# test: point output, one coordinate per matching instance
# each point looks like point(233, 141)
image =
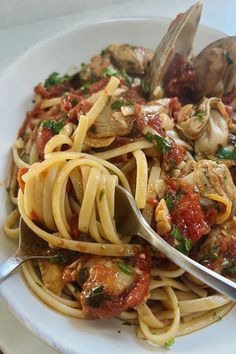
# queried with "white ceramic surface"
point(59, 54)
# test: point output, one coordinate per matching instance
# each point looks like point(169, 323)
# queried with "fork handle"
point(211, 278)
point(9, 265)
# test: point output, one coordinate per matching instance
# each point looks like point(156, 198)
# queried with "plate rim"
point(13, 308)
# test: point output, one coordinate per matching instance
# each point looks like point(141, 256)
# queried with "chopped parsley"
point(125, 268)
point(54, 125)
point(170, 342)
point(117, 104)
point(169, 201)
point(185, 246)
point(109, 71)
point(127, 78)
point(97, 296)
point(74, 102)
point(145, 86)
point(101, 194)
point(200, 116)
point(85, 86)
point(225, 154)
point(55, 79)
point(176, 233)
point(161, 143)
point(231, 270)
point(82, 275)
point(216, 317)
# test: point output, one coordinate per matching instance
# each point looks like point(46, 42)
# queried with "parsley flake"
point(176, 233)
point(109, 71)
point(125, 268)
point(161, 143)
point(101, 194)
point(54, 125)
point(170, 342)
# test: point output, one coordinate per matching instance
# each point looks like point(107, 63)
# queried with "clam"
point(178, 40)
point(216, 71)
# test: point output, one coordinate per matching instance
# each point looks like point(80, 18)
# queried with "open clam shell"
point(178, 39)
point(217, 63)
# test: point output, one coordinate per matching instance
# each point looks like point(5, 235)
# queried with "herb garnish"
point(109, 71)
point(74, 102)
point(170, 342)
point(97, 296)
point(82, 275)
point(216, 317)
point(101, 194)
point(185, 246)
point(125, 268)
point(231, 270)
point(176, 233)
point(200, 116)
point(55, 79)
point(225, 154)
point(85, 86)
point(117, 104)
point(161, 143)
point(145, 86)
point(54, 125)
point(169, 201)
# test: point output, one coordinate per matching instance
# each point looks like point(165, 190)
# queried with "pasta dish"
point(170, 141)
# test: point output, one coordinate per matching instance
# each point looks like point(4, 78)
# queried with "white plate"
point(65, 334)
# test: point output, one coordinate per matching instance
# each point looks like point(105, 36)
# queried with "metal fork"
point(129, 221)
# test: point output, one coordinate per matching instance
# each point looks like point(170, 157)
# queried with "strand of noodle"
point(111, 183)
point(74, 292)
point(104, 213)
point(141, 178)
point(76, 180)
point(195, 288)
point(167, 282)
point(47, 197)
point(204, 320)
point(151, 193)
point(102, 100)
point(9, 224)
point(48, 299)
point(124, 149)
point(203, 304)
point(148, 317)
point(36, 279)
point(61, 156)
point(104, 249)
point(18, 161)
point(93, 227)
point(167, 273)
point(80, 133)
point(12, 182)
point(197, 323)
point(29, 196)
point(37, 193)
point(47, 103)
point(75, 207)
point(88, 199)
point(34, 155)
point(161, 339)
point(85, 171)
point(56, 142)
point(127, 316)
